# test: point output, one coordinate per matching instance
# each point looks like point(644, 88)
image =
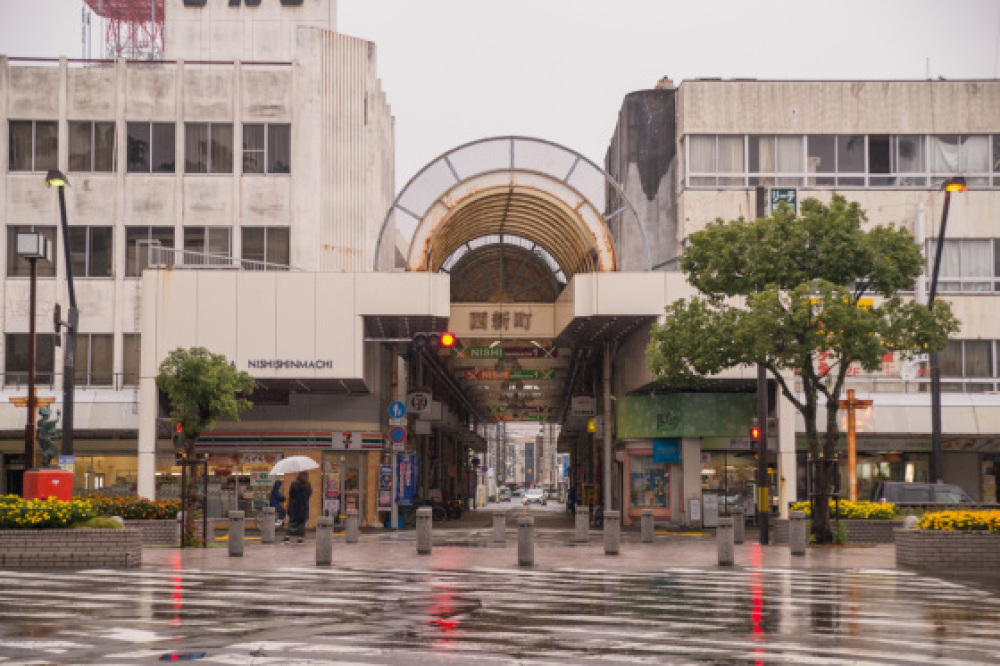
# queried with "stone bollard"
point(582, 524)
point(797, 532)
point(424, 530)
point(324, 541)
point(739, 525)
point(647, 526)
point(526, 541)
point(724, 539)
point(237, 530)
point(267, 525)
point(499, 527)
point(612, 532)
point(351, 527)
point(910, 523)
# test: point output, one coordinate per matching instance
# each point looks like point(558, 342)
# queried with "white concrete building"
point(264, 135)
point(709, 148)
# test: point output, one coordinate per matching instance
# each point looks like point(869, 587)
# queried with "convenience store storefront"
point(651, 432)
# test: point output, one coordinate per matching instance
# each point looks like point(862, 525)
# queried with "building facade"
point(707, 149)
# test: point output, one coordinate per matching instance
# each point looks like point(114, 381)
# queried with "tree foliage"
point(806, 297)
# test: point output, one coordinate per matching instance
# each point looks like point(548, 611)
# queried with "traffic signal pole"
point(763, 499)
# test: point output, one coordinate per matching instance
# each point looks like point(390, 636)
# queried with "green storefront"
point(651, 428)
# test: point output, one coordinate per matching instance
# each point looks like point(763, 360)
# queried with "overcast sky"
point(459, 70)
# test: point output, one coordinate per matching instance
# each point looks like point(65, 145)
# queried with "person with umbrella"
point(277, 500)
point(298, 506)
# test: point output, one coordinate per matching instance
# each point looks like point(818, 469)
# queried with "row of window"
point(94, 359)
point(968, 265)
point(150, 147)
point(842, 160)
point(969, 365)
point(92, 248)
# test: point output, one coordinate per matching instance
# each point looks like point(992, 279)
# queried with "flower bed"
point(853, 510)
point(135, 508)
point(865, 522)
point(956, 520)
point(17, 513)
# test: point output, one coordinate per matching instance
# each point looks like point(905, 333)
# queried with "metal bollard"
point(351, 527)
point(647, 526)
point(237, 530)
point(324, 541)
point(267, 525)
point(499, 527)
point(526, 541)
point(797, 532)
point(582, 524)
point(612, 532)
point(424, 530)
point(739, 525)
point(724, 539)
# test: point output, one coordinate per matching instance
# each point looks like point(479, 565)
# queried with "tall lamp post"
point(31, 246)
point(58, 180)
point(956, 184)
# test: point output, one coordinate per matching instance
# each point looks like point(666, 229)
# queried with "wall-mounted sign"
point(583, 405)
point(499, 351)
point(287, 364)
point(357, 441)
point(499, 375)
point(787, 194)
point(418, 402)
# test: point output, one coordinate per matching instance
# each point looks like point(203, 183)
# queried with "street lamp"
point(58, 180)
point(31, 246)
point(956, 184)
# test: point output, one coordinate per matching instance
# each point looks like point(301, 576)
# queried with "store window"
point(208, 148)
point(90, 250)
point(91, 146)
point(95, 355)
point(18, 267)
point(732, 475)
point(649, 483)
point(150, 148)
point(33, 145)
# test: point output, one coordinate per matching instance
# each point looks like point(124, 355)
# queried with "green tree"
point(787, 292)
point(202, 388)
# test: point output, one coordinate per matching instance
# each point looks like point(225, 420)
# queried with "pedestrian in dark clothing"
point(298, 506)
point(277, 500)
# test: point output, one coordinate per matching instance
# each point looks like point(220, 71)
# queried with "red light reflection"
point(178, 591)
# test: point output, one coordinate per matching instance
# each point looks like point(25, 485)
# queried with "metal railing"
point(163, 257)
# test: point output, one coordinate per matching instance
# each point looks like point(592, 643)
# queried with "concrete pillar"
point(424, 530)
point(526, 541)
point(499, 527)
point(647, 526)
point(724, 540)
point(324, 541)
point(351, 527)
point(797, 532)
point(612, 532)
point(267, 525)
point(582, 524)
point(739, 525)
point(236, 533)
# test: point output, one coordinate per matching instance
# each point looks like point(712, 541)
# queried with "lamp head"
point(56, 178)
point(956, 184)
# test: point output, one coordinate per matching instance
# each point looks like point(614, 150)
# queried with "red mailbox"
point(48, 484)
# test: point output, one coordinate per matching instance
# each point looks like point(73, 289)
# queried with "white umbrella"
point(292, 465)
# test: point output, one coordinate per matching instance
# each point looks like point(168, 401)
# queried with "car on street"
point(503, 495)
point(899, 492)
point(534, 495)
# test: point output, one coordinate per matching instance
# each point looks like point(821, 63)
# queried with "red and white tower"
point(133, 29)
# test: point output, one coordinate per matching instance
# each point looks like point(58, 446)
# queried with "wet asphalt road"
point(450, 609)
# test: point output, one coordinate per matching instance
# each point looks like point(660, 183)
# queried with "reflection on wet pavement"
point(400, 615)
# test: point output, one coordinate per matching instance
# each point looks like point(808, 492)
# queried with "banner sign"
point(500, 351)
point(385, 488)
point(407, 468)
point(501, 375)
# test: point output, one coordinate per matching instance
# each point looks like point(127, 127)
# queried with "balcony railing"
point(161, 256)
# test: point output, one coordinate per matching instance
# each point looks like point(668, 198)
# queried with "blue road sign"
point(397, 434)
point(397, 410)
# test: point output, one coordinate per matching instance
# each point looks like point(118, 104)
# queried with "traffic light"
point(433, 341)
point(178, 436)
point(754, 434)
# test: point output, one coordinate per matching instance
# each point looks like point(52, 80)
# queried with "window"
point(965, 364)
point(266, 149)
point(268, 244)
point(16, 358)
point(952, 154)
point(996, 160)
point(94, 359)
point(208, 240)
point(18, 267)
point(131, 348)
point(150, 148)
point(967, 265)
point(208, 148)
point(33, 145)
point(91, 146)
point(137, 242)
point(911, 161)
point(90, 251)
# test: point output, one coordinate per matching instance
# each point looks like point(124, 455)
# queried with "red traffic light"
point(447, 339)
point(179, 428)
point(755, 433)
